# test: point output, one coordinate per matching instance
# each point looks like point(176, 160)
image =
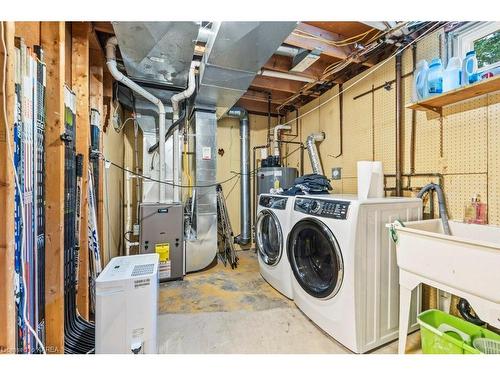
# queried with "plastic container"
point(469, 68)
point(435, 77)
point(452, 76)
point(476, 211)
point(442, 333)
point(487, 346)
point(420, 90)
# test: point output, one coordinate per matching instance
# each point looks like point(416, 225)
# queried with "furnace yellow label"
point(163, 250)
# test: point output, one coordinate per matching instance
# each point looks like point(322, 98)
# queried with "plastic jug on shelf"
point(469, 68)
point(452, 76)
point(420, 90)
point(435, 77)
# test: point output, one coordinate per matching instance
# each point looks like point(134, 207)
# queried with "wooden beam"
point(53, 36)
point(29, 31)
point(105, 27)
point(284, 64)
point(277, 84)
point(80, 32)
point(310, 43)
point(256, 107)
point(96, 102)
point(107, 83)
point(277, 97)
point(7, 188)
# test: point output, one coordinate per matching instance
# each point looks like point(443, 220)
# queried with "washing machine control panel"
point(276, 203)
point(322, 208)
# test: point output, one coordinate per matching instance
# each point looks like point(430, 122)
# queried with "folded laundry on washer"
point(309, 184)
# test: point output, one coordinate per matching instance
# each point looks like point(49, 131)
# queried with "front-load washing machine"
point(345, 275)
point(271, 231)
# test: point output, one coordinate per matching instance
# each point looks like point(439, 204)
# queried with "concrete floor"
point(220, 310)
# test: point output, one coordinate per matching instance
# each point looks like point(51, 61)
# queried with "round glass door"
point(269, 237)
point(315, 258)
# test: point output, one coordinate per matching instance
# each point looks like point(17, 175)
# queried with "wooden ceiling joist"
point(104, 27)
point(283, 64)
point(256, 94)
point(277, 84)
point(256, 107)
point(310, 43)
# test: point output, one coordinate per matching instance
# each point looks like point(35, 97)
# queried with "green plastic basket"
point(442, 333)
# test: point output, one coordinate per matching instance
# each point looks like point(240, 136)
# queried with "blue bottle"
point(469, 68)
point(435, 77)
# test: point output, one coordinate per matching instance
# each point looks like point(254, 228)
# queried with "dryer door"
point(269, 237)
point(315, 258)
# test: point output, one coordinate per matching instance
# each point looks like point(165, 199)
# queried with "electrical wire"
point(18, 187)
point(338, 66)
point(400, 50)
point(336, 43)
point(123, 124)
point(235, 175)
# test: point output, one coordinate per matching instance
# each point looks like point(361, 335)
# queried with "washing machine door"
point(315, 258)
point(269, 237)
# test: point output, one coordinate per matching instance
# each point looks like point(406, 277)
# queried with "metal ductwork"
point(157, 52)
point(245, 196)
point(234, 53)
point(201, 250)
point(313, 151)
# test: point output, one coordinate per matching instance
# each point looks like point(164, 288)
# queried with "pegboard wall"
point(463, 144)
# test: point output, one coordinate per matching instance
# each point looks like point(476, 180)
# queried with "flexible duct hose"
point(313, 151)
point(463, 305)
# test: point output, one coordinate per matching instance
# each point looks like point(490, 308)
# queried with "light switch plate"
point(336, 173)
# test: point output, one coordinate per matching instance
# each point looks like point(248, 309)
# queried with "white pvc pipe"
point(111, 63)
point(177, 98)
point(128, 221)
point(277, 128)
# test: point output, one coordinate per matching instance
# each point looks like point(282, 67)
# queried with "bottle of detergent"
point(469, 68)
point(452, 75)
point(435, 77)
point(420, 90)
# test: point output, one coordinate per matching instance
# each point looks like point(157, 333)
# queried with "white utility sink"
point(466, 264)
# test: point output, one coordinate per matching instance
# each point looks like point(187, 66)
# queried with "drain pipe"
point(177, 98)
point(120, 77)
point(313, 151)
point(276, 142)
point(399, 125)
point(245, 196)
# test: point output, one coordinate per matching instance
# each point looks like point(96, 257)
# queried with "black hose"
point(465, 310)
point(169, 131)
point(441, 202)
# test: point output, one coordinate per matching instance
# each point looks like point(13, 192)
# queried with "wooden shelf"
point(436, 103)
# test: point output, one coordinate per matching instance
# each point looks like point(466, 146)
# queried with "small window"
point(482, 37)
point(488, 49)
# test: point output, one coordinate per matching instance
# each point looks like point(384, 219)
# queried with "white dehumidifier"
point(126, 305)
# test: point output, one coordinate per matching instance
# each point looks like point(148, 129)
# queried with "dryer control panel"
point(274, 202)
point(322, 208)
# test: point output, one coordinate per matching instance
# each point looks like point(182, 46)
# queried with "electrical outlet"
point(336, 173)
point(136, 229)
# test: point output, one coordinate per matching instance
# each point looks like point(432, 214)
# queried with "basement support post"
point(53, 36)
point(399, 124)
point(80, 32)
